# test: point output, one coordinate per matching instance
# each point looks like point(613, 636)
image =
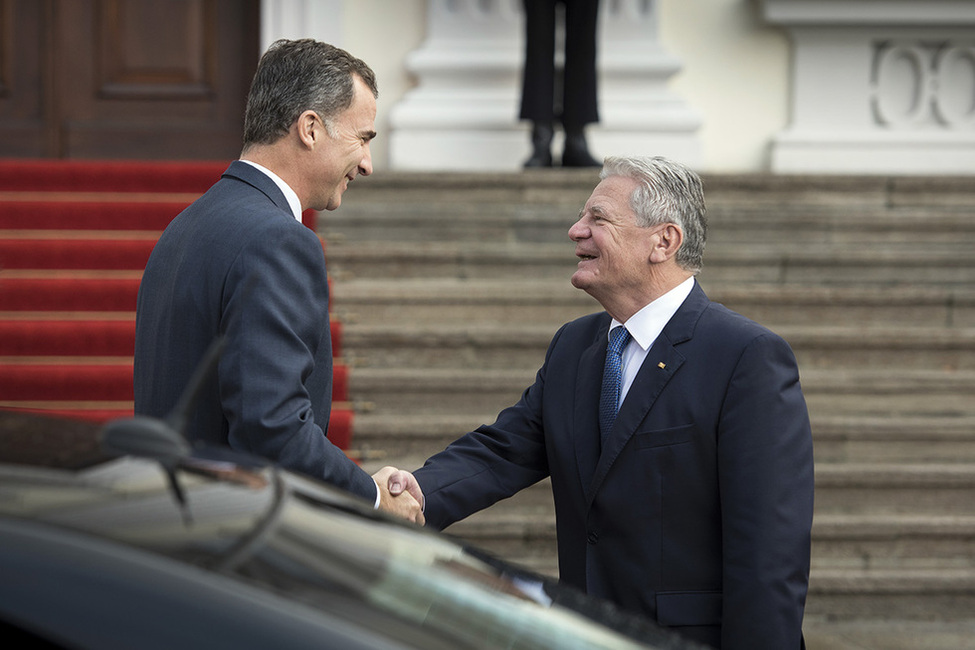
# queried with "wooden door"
point(125, 78)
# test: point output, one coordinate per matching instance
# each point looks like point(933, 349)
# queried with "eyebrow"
point(597, 210)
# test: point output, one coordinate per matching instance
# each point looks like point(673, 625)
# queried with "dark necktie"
point(609, 398)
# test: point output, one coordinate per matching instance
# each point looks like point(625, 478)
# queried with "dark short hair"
point(295, 76)
point(668, 192)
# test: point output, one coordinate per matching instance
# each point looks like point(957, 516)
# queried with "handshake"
point(399, 494)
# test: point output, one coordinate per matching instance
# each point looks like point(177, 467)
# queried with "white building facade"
point(788, 86)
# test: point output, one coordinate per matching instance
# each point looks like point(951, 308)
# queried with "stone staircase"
point(450, 287)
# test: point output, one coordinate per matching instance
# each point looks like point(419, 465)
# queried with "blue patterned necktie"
point(609, 398)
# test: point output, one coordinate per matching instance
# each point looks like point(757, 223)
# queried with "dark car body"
point(204, 548)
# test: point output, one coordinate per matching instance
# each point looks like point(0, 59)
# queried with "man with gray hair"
point(239, 264)
point(674, 431)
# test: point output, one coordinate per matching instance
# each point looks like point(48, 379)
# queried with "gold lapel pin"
point(661, 365)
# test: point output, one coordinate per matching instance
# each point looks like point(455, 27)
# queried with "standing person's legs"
point(579, 106)
point(579, 103)
point(538, 82)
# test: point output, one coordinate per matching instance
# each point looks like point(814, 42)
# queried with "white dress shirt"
point(289, 193)
point(644, 328)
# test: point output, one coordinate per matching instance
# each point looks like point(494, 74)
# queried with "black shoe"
point(576, 152)
point(541, 146)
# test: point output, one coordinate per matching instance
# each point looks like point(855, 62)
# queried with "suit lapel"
point(662, 363)
point(585, 420)
point(260, 181)
point(649, 383)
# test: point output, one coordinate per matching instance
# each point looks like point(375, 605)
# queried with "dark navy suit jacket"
point(237, 263)
point(698, 510)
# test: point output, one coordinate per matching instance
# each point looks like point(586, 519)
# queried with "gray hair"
point(295, 76)
point(668, 192)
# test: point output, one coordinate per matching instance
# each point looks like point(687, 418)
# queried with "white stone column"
point(463, 114)
point(321, 19)
point(879, 86)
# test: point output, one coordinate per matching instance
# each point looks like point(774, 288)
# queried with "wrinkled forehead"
point(612, 194)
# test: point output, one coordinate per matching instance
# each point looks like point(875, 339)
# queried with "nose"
point(365, 165)
point(578, 230)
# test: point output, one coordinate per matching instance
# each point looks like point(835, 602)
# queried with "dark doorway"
point(125, 78)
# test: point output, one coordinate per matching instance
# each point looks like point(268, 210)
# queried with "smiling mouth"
point(586, 257)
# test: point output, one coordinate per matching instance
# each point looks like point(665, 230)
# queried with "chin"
point(335, 200)
point(579, 282)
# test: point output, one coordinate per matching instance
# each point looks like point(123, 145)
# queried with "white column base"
point(858, 153)
point(507, 149)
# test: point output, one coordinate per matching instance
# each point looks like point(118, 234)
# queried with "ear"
point(310, 128)
point(665, 243)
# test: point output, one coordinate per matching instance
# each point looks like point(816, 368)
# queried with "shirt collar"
point(645, 325)
point(289, 193)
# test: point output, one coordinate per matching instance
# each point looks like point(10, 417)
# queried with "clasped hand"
point(400, 494)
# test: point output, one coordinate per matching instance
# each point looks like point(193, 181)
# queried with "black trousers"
point(577, 105)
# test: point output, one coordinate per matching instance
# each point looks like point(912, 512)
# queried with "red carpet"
point(78, 254)
point(100, 215)
point(164, 177)
point(74, 239)
point(68, 294)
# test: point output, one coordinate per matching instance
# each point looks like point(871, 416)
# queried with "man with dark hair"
point(674, 431)
point(238, 263)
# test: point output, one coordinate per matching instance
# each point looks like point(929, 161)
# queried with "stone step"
point(785, 226)
point(912, 567)
point(405, 345)
point(906, 594)
point(827, 391)
point(813, 264)
point(539, 206)
point(893, 348)
point(393, 437)
point(834, 224)
point(839, 595)
point(897, 440)
point(840, 193)
point(437, 300)
point(902, 394)
point(871, 489)
point(539, 301)
point(565, 187)
point(871, 543)
point(887, 633)
point(893, 541)
point(844, 193)
point(450, 296)
point(858, 489)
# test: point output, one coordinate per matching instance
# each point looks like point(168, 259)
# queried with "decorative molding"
point(878, 86)
point(869, 12)
point(918, 84)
